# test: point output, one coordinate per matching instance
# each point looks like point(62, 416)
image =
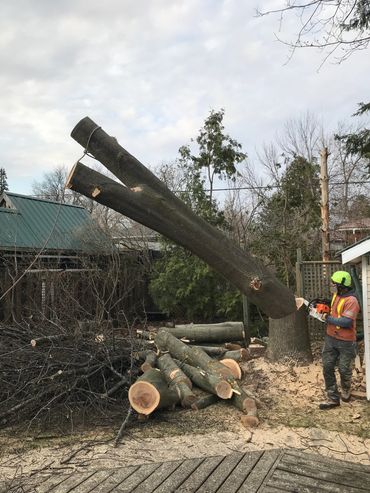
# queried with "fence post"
point(298, 274)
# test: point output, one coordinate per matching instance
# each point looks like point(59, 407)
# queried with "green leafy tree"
point(3, 181)
point(218, 154)
point(290, 219)
point(182, 283)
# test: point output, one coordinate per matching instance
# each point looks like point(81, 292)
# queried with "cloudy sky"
point(149, 72)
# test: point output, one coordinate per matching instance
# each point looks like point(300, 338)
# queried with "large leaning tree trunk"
point(148, 201)
point(289, 338)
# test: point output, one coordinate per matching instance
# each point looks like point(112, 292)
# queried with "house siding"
point(366, 299)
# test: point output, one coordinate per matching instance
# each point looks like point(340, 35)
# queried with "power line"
point(269, 187)
point(230, 189)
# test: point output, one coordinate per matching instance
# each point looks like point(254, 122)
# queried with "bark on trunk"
point(150, 361)
point(177, 380)
point(151, 392)
point(179, 222)
point(289, 338)
point(211, 333)
point(237, 355)
point(212, 350)
point(205, 401)
point(205, 381)
point(218, 375)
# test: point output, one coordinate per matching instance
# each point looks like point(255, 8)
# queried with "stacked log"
point(180, 366)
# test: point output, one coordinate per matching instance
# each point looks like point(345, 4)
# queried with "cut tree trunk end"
point(249, 421)
point(233, 366)
point(151, 392)
point(208, 382)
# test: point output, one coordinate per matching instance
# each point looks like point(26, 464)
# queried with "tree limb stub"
point(202, 239)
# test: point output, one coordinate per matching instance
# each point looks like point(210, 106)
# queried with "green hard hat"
point(342, 277)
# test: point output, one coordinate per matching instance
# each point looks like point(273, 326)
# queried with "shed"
point(29, 224)
point(355, 254)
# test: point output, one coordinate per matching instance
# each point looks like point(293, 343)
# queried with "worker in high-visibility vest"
point(340, 347)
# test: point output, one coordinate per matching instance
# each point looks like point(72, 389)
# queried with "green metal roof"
point(31, 223)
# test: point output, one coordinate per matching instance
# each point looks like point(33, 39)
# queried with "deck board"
point(111, 482)
point(242, 470)
point(200, 475)
point(221, 474)
point(93, 482)
point(138, 477)
point(177, 478)
point(160, 475)
point(329, 473)
point(318, 459)
point(272, 471)
point(258, 474)
point(296, 482)
point(54, 480)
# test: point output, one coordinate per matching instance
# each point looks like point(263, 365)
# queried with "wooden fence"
point(111, 287)
point(313, 281)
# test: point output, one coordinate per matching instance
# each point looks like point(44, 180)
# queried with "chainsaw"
point(318, 308)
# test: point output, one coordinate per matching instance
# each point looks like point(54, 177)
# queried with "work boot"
point(345, 395)
point(328, 404)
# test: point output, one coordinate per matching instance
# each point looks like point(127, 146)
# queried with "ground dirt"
point(289, 417)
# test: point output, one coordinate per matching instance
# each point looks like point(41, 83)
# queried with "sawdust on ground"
point(289, 416)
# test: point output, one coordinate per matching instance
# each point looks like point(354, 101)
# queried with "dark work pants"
point(341, 353)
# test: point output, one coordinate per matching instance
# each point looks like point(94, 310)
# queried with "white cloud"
point(148, 73)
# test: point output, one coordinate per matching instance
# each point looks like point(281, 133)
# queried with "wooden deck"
point(273, 471)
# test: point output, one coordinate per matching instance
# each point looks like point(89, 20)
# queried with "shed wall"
point(366, 299)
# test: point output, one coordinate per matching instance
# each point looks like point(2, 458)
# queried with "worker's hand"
point(319, 316)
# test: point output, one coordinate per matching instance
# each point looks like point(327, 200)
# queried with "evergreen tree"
point(182, 283)
point(290, 219)
point(3, 181)
point(359, 143)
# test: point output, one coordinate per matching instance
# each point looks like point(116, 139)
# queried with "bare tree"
point(327, 24)
point(51, 187)
point(302, 136)
point(346, 177)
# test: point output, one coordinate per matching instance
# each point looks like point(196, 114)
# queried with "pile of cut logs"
point(189, 358)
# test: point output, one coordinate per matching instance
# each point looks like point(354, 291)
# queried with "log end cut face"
point(233, 367)
point(224, 390)
point(144, 397)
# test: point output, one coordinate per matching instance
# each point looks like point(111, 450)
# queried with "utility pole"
point(324, 185)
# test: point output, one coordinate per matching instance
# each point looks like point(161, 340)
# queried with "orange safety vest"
point(336, 331)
